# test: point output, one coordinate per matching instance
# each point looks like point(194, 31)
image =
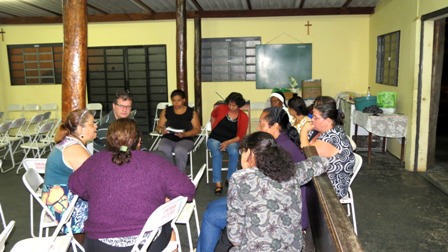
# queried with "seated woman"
point(181, 117)
point(68, 155)
point(331, 142)
point(229, 126)
point(278, 100)
point(124, 186)
point(298, 110)
point(264, 203)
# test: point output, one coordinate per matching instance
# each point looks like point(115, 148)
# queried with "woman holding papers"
point(179, 124)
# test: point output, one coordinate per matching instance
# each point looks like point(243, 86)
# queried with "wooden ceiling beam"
point(142, 5)
point(201, 14)
point(198, 6)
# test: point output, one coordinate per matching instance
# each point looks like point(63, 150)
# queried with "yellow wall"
point(340, 51)
point(405, 16)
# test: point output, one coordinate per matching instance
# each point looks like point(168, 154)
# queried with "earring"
point(82, 136)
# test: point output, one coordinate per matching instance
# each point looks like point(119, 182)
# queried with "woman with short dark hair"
point(229, 126)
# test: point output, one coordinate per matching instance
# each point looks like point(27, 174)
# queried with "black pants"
point(160, 243)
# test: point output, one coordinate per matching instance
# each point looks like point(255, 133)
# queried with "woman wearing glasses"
point(67, 156)
point(179, 124)
point(331, 142)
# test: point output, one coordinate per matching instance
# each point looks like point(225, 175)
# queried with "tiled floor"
point(396, 210)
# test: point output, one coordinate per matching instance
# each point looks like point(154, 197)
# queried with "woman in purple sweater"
point(123, 186)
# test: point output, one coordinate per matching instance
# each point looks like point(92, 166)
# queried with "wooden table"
point(384, 125)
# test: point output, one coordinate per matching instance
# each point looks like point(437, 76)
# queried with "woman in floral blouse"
point(264, 202)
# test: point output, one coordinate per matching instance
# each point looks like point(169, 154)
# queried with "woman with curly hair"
point(123, 186)
point(264, 200)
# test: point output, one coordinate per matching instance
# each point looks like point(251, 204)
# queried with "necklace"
point(232, 119)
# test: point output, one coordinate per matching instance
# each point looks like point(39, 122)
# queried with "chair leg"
point(12, 159)
point(190, 242)
point(196, 219)
point(355, 227)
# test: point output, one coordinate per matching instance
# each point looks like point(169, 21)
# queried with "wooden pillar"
point(181, 46)
point(74, 66)
point(197, 67)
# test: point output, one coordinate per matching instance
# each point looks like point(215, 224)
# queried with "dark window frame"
point(35, 64)
point(229, 59)
point(387, 58)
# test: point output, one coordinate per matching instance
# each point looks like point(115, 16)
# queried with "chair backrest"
point(356, 167)
point(165, 213)
point(49, 107)
point(352, 143)
point(33, 181)
point(66, 216)
point(132, 114)
point(4, 235)
point(33, 125)
point(4, 127)
point(199, 175)
point(160, 106)
point(16, 126)
point(37, 164)
point(2, 217)
point(97, 107)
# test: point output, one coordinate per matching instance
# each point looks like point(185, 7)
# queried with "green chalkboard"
point(275, 63)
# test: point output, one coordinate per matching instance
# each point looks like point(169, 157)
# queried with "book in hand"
point(173, 130)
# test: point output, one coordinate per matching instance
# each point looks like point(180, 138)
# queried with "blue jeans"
point(232, 149)
point(213, 222)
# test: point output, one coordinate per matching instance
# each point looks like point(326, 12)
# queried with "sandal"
point(218, 190)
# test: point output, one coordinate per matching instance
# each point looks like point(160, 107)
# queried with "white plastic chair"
point(37, 164)
point(348, 199)
point(52, 108)
point(165, 213)
point(95, 108)
point(5, 234)
point(208, 154)
point(187, 212)
point(32, 126)
point(352, 143)
point(15, 128)
point(14, 111)
point(160, 106)
point(33, 182)
point(36, 144)
point(55, 242)
point(31, 110)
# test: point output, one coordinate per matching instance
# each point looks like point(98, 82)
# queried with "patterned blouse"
point(341, 164)
point(265, 215)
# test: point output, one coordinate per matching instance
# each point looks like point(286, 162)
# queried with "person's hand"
point(180, 134)
point(307, 127)
point(223, 145)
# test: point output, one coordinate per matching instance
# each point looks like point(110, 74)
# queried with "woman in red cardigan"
point(229, 126)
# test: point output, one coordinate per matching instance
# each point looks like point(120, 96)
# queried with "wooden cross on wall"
point(2, 32)
point(308, 27)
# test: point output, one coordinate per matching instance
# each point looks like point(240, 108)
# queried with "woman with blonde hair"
point(67, 156)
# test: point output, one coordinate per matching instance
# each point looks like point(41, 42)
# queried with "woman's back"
point(270, 211)
point(121, 198)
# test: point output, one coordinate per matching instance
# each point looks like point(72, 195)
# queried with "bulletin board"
point(275, 63)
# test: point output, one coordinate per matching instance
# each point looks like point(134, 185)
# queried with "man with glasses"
point(121, 108)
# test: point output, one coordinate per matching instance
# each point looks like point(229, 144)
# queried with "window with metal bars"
point(35, 64)
point(387, 57)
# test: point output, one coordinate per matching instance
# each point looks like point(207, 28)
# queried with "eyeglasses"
point(316, 118)
point(123, 106)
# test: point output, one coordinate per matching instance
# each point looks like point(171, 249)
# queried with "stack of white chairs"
point(32, 126)
point(165, 213)
point(348, 199)
point(6, 230)
point(13, 135)
point(37, 145)
point(190, 208)
point(55, 242)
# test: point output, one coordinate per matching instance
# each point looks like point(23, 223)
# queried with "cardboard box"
point(311, 88)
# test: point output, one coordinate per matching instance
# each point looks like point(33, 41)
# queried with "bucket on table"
point(364, 102)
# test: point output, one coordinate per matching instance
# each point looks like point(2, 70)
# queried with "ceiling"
point(50, 11)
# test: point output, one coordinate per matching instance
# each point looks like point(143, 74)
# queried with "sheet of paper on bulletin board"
point(275, 63)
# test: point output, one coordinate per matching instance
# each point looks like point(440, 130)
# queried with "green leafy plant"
point(293, 82)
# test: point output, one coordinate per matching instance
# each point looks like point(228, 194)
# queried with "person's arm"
point(161, 128)
point(177, 182)
point(311, 167)
point(323, 148)
point(77, 182)
point(235, 213)
point(75, 156)
point(195, 130)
